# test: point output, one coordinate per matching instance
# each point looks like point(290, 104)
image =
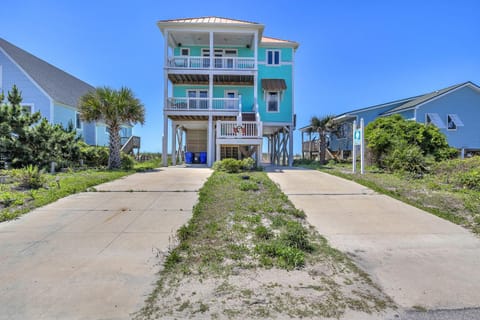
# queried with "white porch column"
point(218, 152)
point(210, 142)
point(210, 75)
point(165, 141)
point(165, 101)
point(174, 143)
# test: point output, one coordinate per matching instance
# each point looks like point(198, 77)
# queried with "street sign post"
point(358, 140)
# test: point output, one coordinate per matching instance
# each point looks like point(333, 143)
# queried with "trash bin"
point(188, 157)
point(203, 157)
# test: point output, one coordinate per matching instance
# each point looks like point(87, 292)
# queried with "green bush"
point(94, 156)
point(227, 165)
point(470, 179)
point(407, 158)
point(230, 165)
point(398, 144)
point(127, 161)
point(29, 177)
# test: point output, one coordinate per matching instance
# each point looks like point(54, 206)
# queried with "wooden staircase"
point(132, 143)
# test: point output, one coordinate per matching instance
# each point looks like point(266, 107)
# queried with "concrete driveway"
point(94, 255)
point(419, 259)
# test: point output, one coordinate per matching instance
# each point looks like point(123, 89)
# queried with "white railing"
point(227, 63)
point(228, 104)
point(234, 129)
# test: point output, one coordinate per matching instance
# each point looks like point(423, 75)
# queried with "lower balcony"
point(239, 130)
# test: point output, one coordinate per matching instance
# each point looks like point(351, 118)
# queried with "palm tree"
point(322, 125)
point(114, 108)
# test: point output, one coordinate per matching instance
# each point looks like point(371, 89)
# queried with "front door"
point(230, 101)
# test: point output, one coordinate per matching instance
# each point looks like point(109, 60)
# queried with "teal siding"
point(286, 54)
point(285, 112)
point(196, 51)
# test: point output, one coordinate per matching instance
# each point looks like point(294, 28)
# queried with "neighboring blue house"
point(49, 90)
point(454, 110)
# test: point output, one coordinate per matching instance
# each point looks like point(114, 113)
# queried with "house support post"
point(174, 143)
point(210, 142)
point(290, 146)
point(165, 141)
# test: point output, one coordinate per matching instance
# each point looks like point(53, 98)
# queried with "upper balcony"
point(219, 63)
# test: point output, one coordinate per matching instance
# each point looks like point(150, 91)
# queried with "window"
point(197, 99)
point(434, 118)
point(273, 101)
point(273, 57)
point(78, 121)
point(184, 51)
point(28, 108)
point(453, 121)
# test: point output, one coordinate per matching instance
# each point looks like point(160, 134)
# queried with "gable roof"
point(407, 103)
point(208, 20)
point(59, 85)
point(427, 97)
point(278, 42)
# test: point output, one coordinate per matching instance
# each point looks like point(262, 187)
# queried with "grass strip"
point(56, 187)
point(242, 228)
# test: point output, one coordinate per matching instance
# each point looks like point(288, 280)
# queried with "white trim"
point(267, 101)
point(468, 84)
point(31, 79)
point(29, 104)
point(282, 63)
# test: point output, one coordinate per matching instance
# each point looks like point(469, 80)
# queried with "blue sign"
point(357, 137)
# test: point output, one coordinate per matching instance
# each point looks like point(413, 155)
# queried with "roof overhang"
point(195, 31)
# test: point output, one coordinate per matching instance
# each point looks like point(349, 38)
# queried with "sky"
point(352, 54)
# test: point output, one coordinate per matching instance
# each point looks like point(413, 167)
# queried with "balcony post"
point(210, 141)
point(174, 143)
point(165, 141)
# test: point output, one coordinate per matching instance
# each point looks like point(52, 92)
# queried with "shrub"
point(470, 179)
point(247, 164)
point(127, 161)
point(227, 165)
point(407, 158)
point(29, 177)
point(233, 165)
point(394, 142)
point(94, 156)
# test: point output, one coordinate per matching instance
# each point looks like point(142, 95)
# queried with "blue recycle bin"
point(189, 157)
point(203, 157)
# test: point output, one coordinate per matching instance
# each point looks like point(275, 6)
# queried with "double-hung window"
point(78, 121)
point(273, 57)
point(273, 101)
